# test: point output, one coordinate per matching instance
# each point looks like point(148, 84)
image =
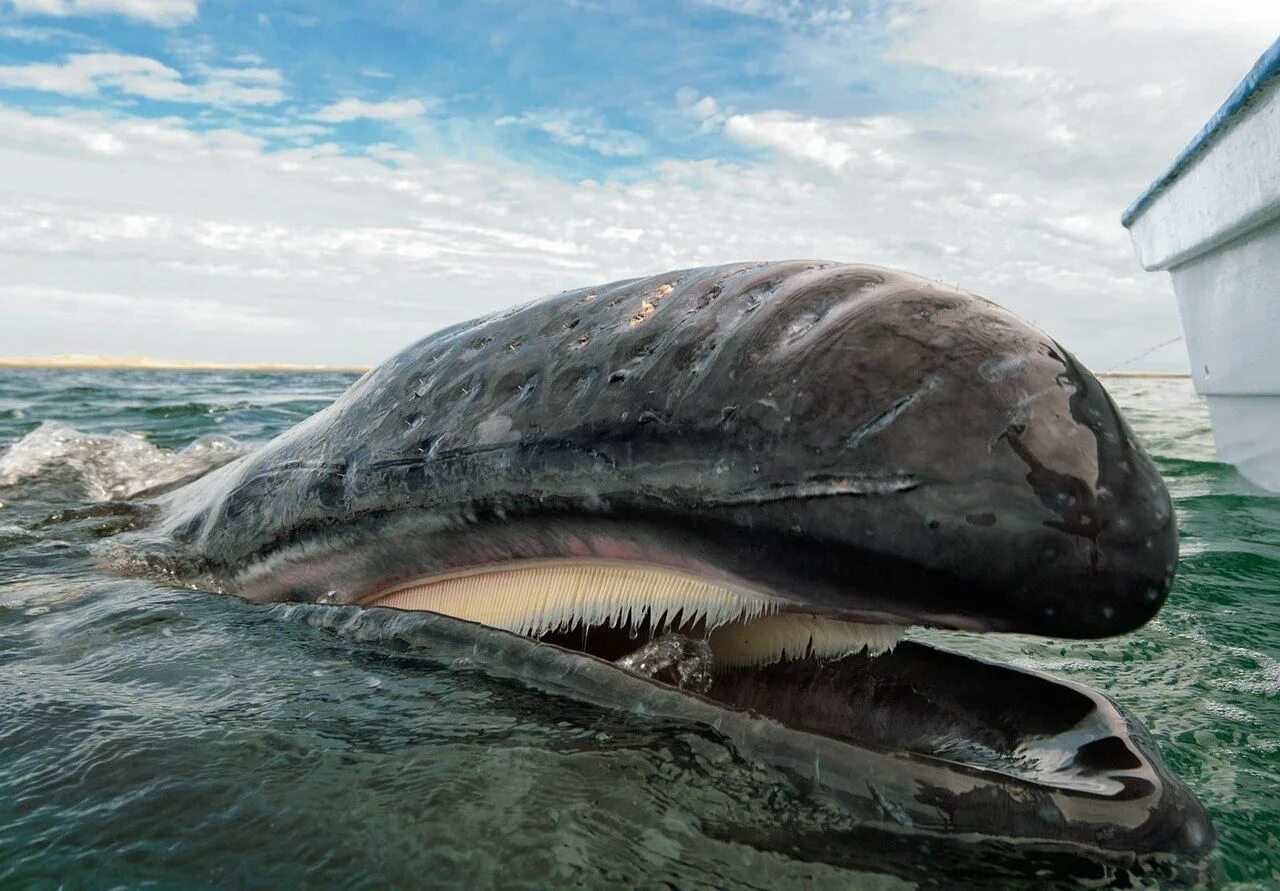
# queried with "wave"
point(192, 409)
point(110, 466)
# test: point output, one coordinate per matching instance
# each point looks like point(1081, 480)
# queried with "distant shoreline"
point(145, 363)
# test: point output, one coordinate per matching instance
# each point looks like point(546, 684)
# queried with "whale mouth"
point(836, 674)
point(810, 669)
point(616, 610)
point(803, 672)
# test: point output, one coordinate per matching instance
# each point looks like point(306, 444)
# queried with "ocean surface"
point(154, 735)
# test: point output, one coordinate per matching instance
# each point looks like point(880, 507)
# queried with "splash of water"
point(110, 465)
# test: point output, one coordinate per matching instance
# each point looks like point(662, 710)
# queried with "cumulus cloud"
point(579, 129)
point(166, 13)
point(354, 109)
point(91, 74)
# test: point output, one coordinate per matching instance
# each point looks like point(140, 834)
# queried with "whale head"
point(788, 465)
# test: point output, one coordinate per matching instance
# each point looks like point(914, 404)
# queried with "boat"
point(1212, 220)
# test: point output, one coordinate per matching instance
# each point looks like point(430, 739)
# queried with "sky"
point(326, 182)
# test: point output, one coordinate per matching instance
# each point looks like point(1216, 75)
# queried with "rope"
point(1143, 354)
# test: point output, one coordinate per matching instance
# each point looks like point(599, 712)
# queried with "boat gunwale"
point(1260, 76)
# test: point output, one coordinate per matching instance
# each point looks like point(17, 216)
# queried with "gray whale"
point(789, 459)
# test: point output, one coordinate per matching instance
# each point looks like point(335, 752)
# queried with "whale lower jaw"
point(554, 599)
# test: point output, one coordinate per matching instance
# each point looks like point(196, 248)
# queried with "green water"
point(152, 735)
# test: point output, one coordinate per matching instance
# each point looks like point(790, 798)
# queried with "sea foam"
point(109, 465)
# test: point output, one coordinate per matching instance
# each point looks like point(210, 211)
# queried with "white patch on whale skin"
point(849, 484)
point(1000, 367)
point(495, 429)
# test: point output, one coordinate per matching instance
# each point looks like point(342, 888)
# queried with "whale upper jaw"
point(867, 440)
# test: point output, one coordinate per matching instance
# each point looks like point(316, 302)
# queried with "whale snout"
point(1109, 583)
point(986, 480)
point(1111, 561)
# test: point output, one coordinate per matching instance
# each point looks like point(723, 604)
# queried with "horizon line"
point(87, 362)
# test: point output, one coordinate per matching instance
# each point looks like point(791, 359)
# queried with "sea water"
point(154, 735)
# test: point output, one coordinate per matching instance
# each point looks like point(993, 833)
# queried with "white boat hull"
point(1213, 222)
point(1245, 434)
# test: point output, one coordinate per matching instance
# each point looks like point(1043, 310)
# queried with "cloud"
point(579, 129)
point(166, 13)
point(250, 75)
point(81, 75)
point(793, 12)
point(832, 144)
point(355, 109)
point(46, 35)
point(1100, 91)
point(694, 106)
point(62, 307)
point(91, 74)
point(1011, 189)
point(361, 257)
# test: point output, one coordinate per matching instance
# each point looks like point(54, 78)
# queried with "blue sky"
point(576, 89)
point(260, 180)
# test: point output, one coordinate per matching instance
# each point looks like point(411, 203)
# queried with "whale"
point(727, 496)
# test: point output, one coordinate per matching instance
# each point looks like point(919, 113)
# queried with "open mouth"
point(908, 737)
point(854, 682)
